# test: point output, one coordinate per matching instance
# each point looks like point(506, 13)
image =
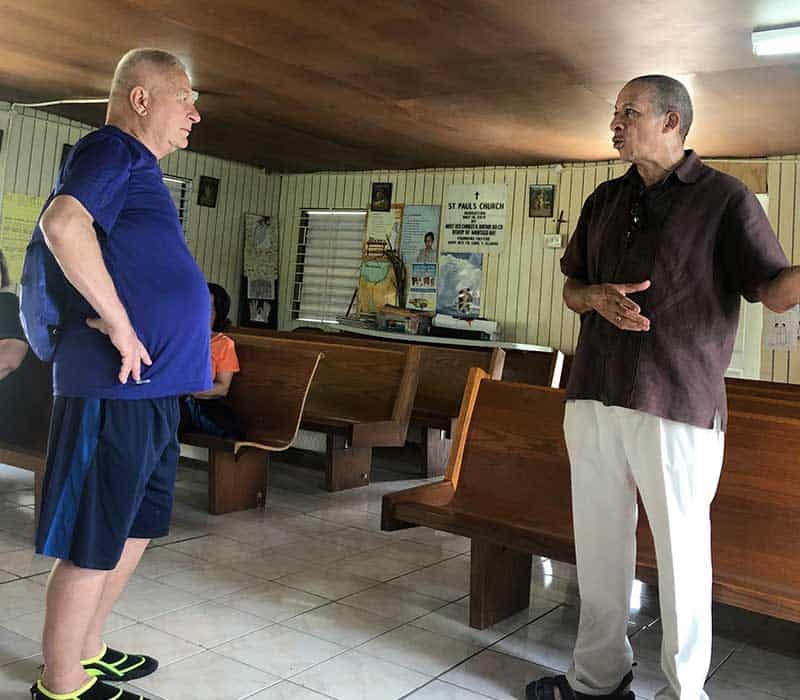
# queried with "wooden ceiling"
point(302, 85)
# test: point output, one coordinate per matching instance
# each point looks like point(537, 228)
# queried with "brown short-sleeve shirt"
point(703, 241)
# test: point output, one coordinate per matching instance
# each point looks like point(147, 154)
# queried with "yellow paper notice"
point(19, 215)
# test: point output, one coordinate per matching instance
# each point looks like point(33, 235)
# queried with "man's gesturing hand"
point(612, 303)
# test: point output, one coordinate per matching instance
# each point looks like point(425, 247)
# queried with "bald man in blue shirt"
point(135, 337)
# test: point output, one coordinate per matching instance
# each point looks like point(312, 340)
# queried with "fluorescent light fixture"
point(774, 42)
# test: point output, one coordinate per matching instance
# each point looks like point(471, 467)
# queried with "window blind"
point(181, 191)
point(328, 263)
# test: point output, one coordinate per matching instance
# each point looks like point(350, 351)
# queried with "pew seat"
point(507, 488)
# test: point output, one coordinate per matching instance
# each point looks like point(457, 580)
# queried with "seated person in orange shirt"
point(207, 411)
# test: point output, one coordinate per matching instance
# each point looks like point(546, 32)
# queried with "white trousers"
point(675, 467)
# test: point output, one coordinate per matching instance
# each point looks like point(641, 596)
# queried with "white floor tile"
point(280, 651)
point(419, 649)
point(10, 542)
point(328, 583)
point(161, 561)
point(213, 548)
point(143, 639)
point(316, 552)
point(439, 690)
point(376, 565)
point(25, 562)
point(286, 690)
point(15, 646)
point(721, 690)
point(448, 580)
point(342, 624)
point(269, 565)
point(207, 676)
point(273, 601)
point(453, 621)
point(210, 581)
point(20, 597)
point(31, 624)
point(393, 601)
point(143, 599)
point(496, 675)
point(548, 641)
point(208, 624)
point(355, 676)
point(16, 678)
point(763, 671)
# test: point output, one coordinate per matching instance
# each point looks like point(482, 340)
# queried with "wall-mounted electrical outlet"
point(553, 240)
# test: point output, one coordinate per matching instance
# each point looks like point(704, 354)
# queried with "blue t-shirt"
point(119, 182)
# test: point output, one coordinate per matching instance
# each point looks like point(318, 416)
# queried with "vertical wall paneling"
point(521, 286)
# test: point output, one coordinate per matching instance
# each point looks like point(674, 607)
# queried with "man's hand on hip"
point(132, 352)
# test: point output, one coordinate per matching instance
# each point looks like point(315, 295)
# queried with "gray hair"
point(670, 96)
point(134, 64)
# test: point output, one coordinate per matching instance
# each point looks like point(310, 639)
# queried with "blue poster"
point(459, 288)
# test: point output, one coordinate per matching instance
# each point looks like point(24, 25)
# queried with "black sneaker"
point(117, 666)
point(93, 690)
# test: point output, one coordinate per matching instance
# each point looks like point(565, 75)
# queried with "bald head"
point(152, 99)
point(142, 67)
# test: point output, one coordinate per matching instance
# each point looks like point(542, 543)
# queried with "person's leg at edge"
point(604, 516)
point(677, 469)
point(73, 597)
point(112, 589)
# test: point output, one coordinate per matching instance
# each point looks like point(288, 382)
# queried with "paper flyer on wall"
point(422, 287)
point(781, 330)
point(383, 228)
point(474, 219)
point(260, 247)
point(459, 284)
point(19, 216)
point(420, 240)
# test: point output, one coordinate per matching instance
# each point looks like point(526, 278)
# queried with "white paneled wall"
point(522, 285)
point(31, 153)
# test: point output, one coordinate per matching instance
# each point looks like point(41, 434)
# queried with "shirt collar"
point(688, 171)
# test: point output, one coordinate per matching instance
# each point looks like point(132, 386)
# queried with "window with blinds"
point(181, 191)
point(328, 263)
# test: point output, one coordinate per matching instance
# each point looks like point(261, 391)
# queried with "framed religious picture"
point(381, 196)
point(207, 192)
point(540, 200)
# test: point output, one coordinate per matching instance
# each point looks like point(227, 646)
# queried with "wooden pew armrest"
point(437, 494)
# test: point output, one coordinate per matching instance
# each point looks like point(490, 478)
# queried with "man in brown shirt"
point(656, 268)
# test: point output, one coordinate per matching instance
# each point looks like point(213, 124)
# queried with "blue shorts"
point(110, 475)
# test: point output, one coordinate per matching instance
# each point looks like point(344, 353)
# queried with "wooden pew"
point(23, 438)
point(507, 488)
point(362, 397)
point(443, 376)
point(269, 395)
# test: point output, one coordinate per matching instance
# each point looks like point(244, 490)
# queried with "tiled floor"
point(307, 600)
